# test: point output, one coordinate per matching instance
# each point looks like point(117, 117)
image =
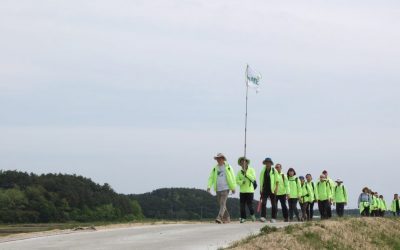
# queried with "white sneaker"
point(262, 219)
point(273, 220)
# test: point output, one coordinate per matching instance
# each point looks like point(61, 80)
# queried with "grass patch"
point(268, 230)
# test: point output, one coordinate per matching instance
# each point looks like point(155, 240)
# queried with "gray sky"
point(142, 94)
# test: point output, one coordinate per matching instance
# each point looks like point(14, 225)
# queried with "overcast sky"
point(142, 94)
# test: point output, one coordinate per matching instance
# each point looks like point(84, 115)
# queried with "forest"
point(59, 198)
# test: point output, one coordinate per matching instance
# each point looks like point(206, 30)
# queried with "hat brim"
point(268, 161)
point(242, 158)
point(219, 157)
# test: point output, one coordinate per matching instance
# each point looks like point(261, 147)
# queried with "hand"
point(287, 197)
point(233, 191)
point(208, 190)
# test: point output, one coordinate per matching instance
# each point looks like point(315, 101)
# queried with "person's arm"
point(346, 199)
point(210, 180)
point(277, 182)
point(329, 193)
point(286, 184)
point(232, 173)
point(316, 192)
point(299, 189)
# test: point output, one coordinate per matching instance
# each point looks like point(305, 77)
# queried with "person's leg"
point(321, 209)
point(282, 199)
point(307, 209)
point(249, 201)
point(291, 209)
point(274, 206)
point(311, 210)
point(264, 205)
point(242, 197)
point(328, 209)
point(303, 207)
point(223, 211)
point(340, 209)
point(296, 211)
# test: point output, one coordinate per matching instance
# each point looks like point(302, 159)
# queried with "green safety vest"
point(323, 191)
point(306, 194)
point(311, 188)
point(294, 187)
point(230, 177)
point(283, 184)
point(273, 175)
point(394, 205)
point(246, 181)
point(340, 194)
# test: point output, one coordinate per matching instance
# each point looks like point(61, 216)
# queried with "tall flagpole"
point(245, 122)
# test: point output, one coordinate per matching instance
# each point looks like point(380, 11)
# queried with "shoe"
point(242, 220)
point(273, 220)
point(253, 218)
point(262, 219)
point(219, 221)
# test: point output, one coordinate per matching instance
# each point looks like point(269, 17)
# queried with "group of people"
point(276, 186)
point(372, 204)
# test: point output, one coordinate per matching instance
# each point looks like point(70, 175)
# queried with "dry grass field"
point(349, 233)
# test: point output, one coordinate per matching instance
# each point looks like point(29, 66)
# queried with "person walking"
point(324, 196)
point(395, 205)
point(312, 199)
point(222, 179)
point(382, 207)
point(246, 179)
point(304, 199)
point(282, 191)
point(294, 193)
point(364, 202)
point(374, 204)
point(268, 189)
point(340, 197)
point(332, 186)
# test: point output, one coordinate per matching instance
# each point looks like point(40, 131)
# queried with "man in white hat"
point(340, 197)
point(222, 179)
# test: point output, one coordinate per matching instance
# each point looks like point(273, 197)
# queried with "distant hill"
point(60, 197)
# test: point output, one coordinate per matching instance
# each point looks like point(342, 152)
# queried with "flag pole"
point(245, 122)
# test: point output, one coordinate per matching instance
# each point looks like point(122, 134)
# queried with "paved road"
point(173, 236)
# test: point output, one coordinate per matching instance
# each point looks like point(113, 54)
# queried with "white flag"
point(253, 78)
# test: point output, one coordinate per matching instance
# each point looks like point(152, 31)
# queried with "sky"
point(142, 94)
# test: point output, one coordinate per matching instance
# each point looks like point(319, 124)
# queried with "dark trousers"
point(304, 210)
point(329, 210)
point(396, 213)
point(274, 210)
point(340, 209)
point(293, 208)
point(246, 199)
point(323, 207)
point(310, 211)
point(282, 200)
point(365, 212)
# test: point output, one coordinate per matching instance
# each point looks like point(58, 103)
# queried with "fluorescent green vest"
point(245, 181)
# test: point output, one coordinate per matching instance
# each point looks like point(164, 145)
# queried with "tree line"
point(60, 197)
